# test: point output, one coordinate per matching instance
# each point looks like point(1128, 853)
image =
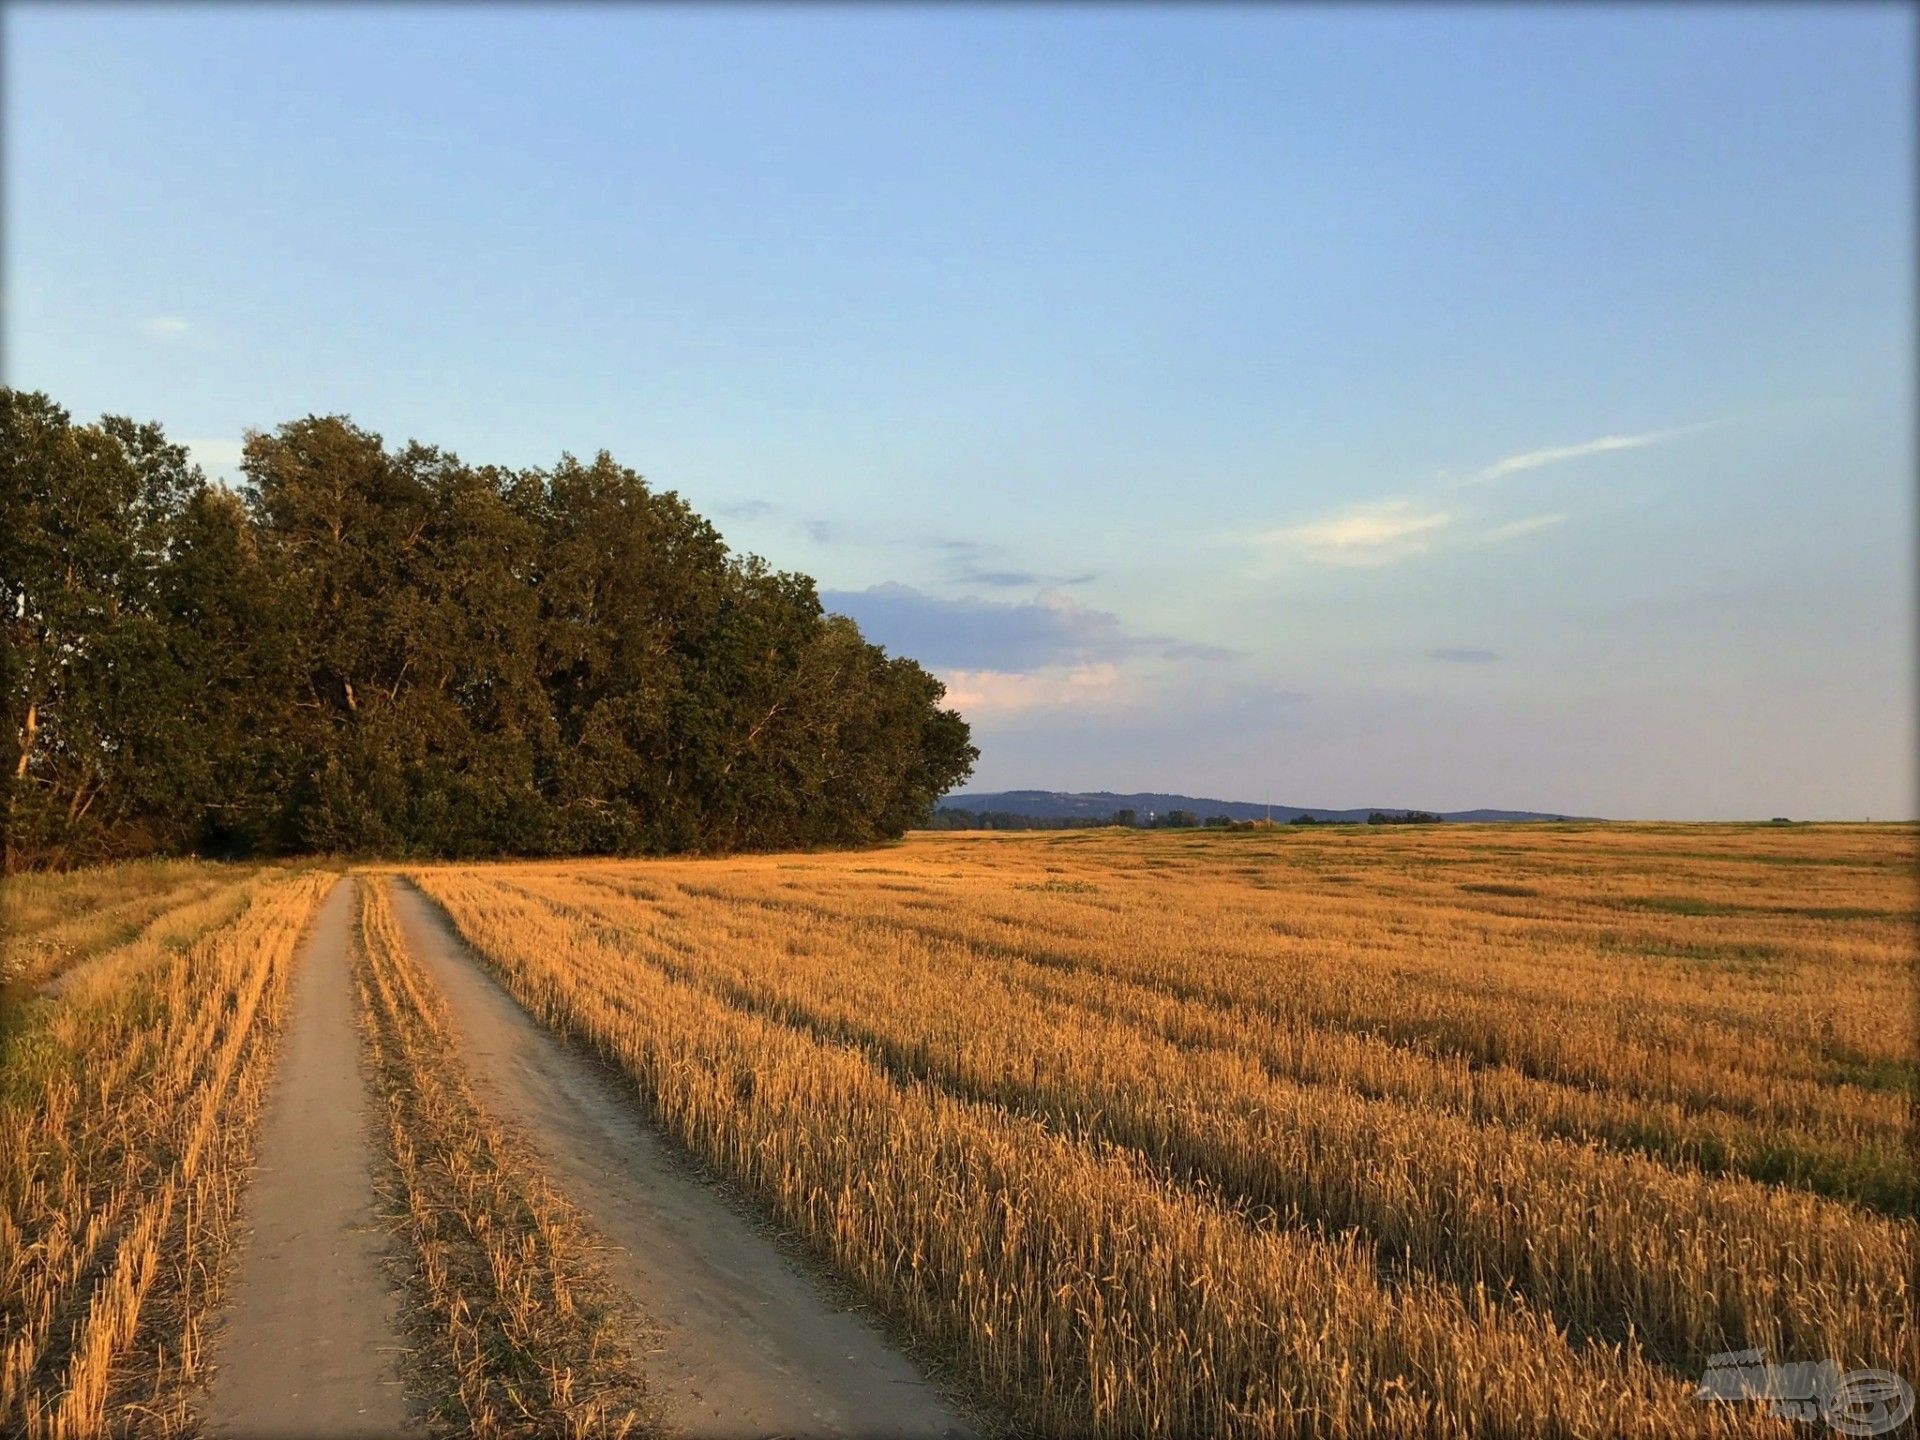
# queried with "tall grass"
point(126, 1114)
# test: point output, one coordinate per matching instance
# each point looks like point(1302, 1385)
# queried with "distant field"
point(1273, 1131)
point(1448, 1130)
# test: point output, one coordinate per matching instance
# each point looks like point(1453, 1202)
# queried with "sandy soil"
point(310, 1344)
point(752, 1346)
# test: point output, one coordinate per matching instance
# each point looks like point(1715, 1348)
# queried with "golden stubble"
point(126, 1124)
point(1475, 1130)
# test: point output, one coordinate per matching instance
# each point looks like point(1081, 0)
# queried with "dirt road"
point(309, 1345)
point(751, 1346)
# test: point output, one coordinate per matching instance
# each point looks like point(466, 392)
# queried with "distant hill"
point(1099, 804)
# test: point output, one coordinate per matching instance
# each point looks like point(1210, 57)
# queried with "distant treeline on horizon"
point(375, 651)
point(951, 817)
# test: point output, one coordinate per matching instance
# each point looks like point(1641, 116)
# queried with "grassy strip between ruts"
point(519, 1325)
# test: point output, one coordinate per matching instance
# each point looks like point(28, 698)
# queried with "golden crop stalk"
point(1476, 1130)
point(125, 1128)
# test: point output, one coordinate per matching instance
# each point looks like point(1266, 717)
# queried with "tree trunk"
point(27, 732)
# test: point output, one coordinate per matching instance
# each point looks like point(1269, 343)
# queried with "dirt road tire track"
point(310, 1342)
point(751, 1345)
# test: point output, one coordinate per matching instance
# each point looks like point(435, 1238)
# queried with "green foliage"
point(374, 650)
point(1405, 817)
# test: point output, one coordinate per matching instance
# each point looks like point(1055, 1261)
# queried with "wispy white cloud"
point(1560, 454)
point(1527, 525)
point(1377, 533)
point(166, 327)
point(1381, 532)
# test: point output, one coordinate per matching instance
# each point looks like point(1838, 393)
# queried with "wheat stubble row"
point(1608, 1242)
point(125, 1129)
point(1469, 1130)
point(1074, 1278)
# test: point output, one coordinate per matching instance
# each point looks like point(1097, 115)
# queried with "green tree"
point(92, 686)
point(389, 650)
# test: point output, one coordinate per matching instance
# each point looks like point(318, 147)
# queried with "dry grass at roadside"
point(518, 1322)
point(127, 1108)
point(52, 921)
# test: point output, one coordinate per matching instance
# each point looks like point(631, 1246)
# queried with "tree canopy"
point(374, 650)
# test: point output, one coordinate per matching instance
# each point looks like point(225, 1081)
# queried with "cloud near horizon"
point(980, 637)
point(971, 562)
point(1010, 579)
point(992, 693)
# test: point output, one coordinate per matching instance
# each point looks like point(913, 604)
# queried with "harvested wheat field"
point(1449, 1130)
point(128, 1095)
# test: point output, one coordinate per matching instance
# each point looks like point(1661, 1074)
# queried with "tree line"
point(955, 817)
point(366, 649)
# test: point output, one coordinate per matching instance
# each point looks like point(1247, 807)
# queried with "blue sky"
point(1428, 406)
